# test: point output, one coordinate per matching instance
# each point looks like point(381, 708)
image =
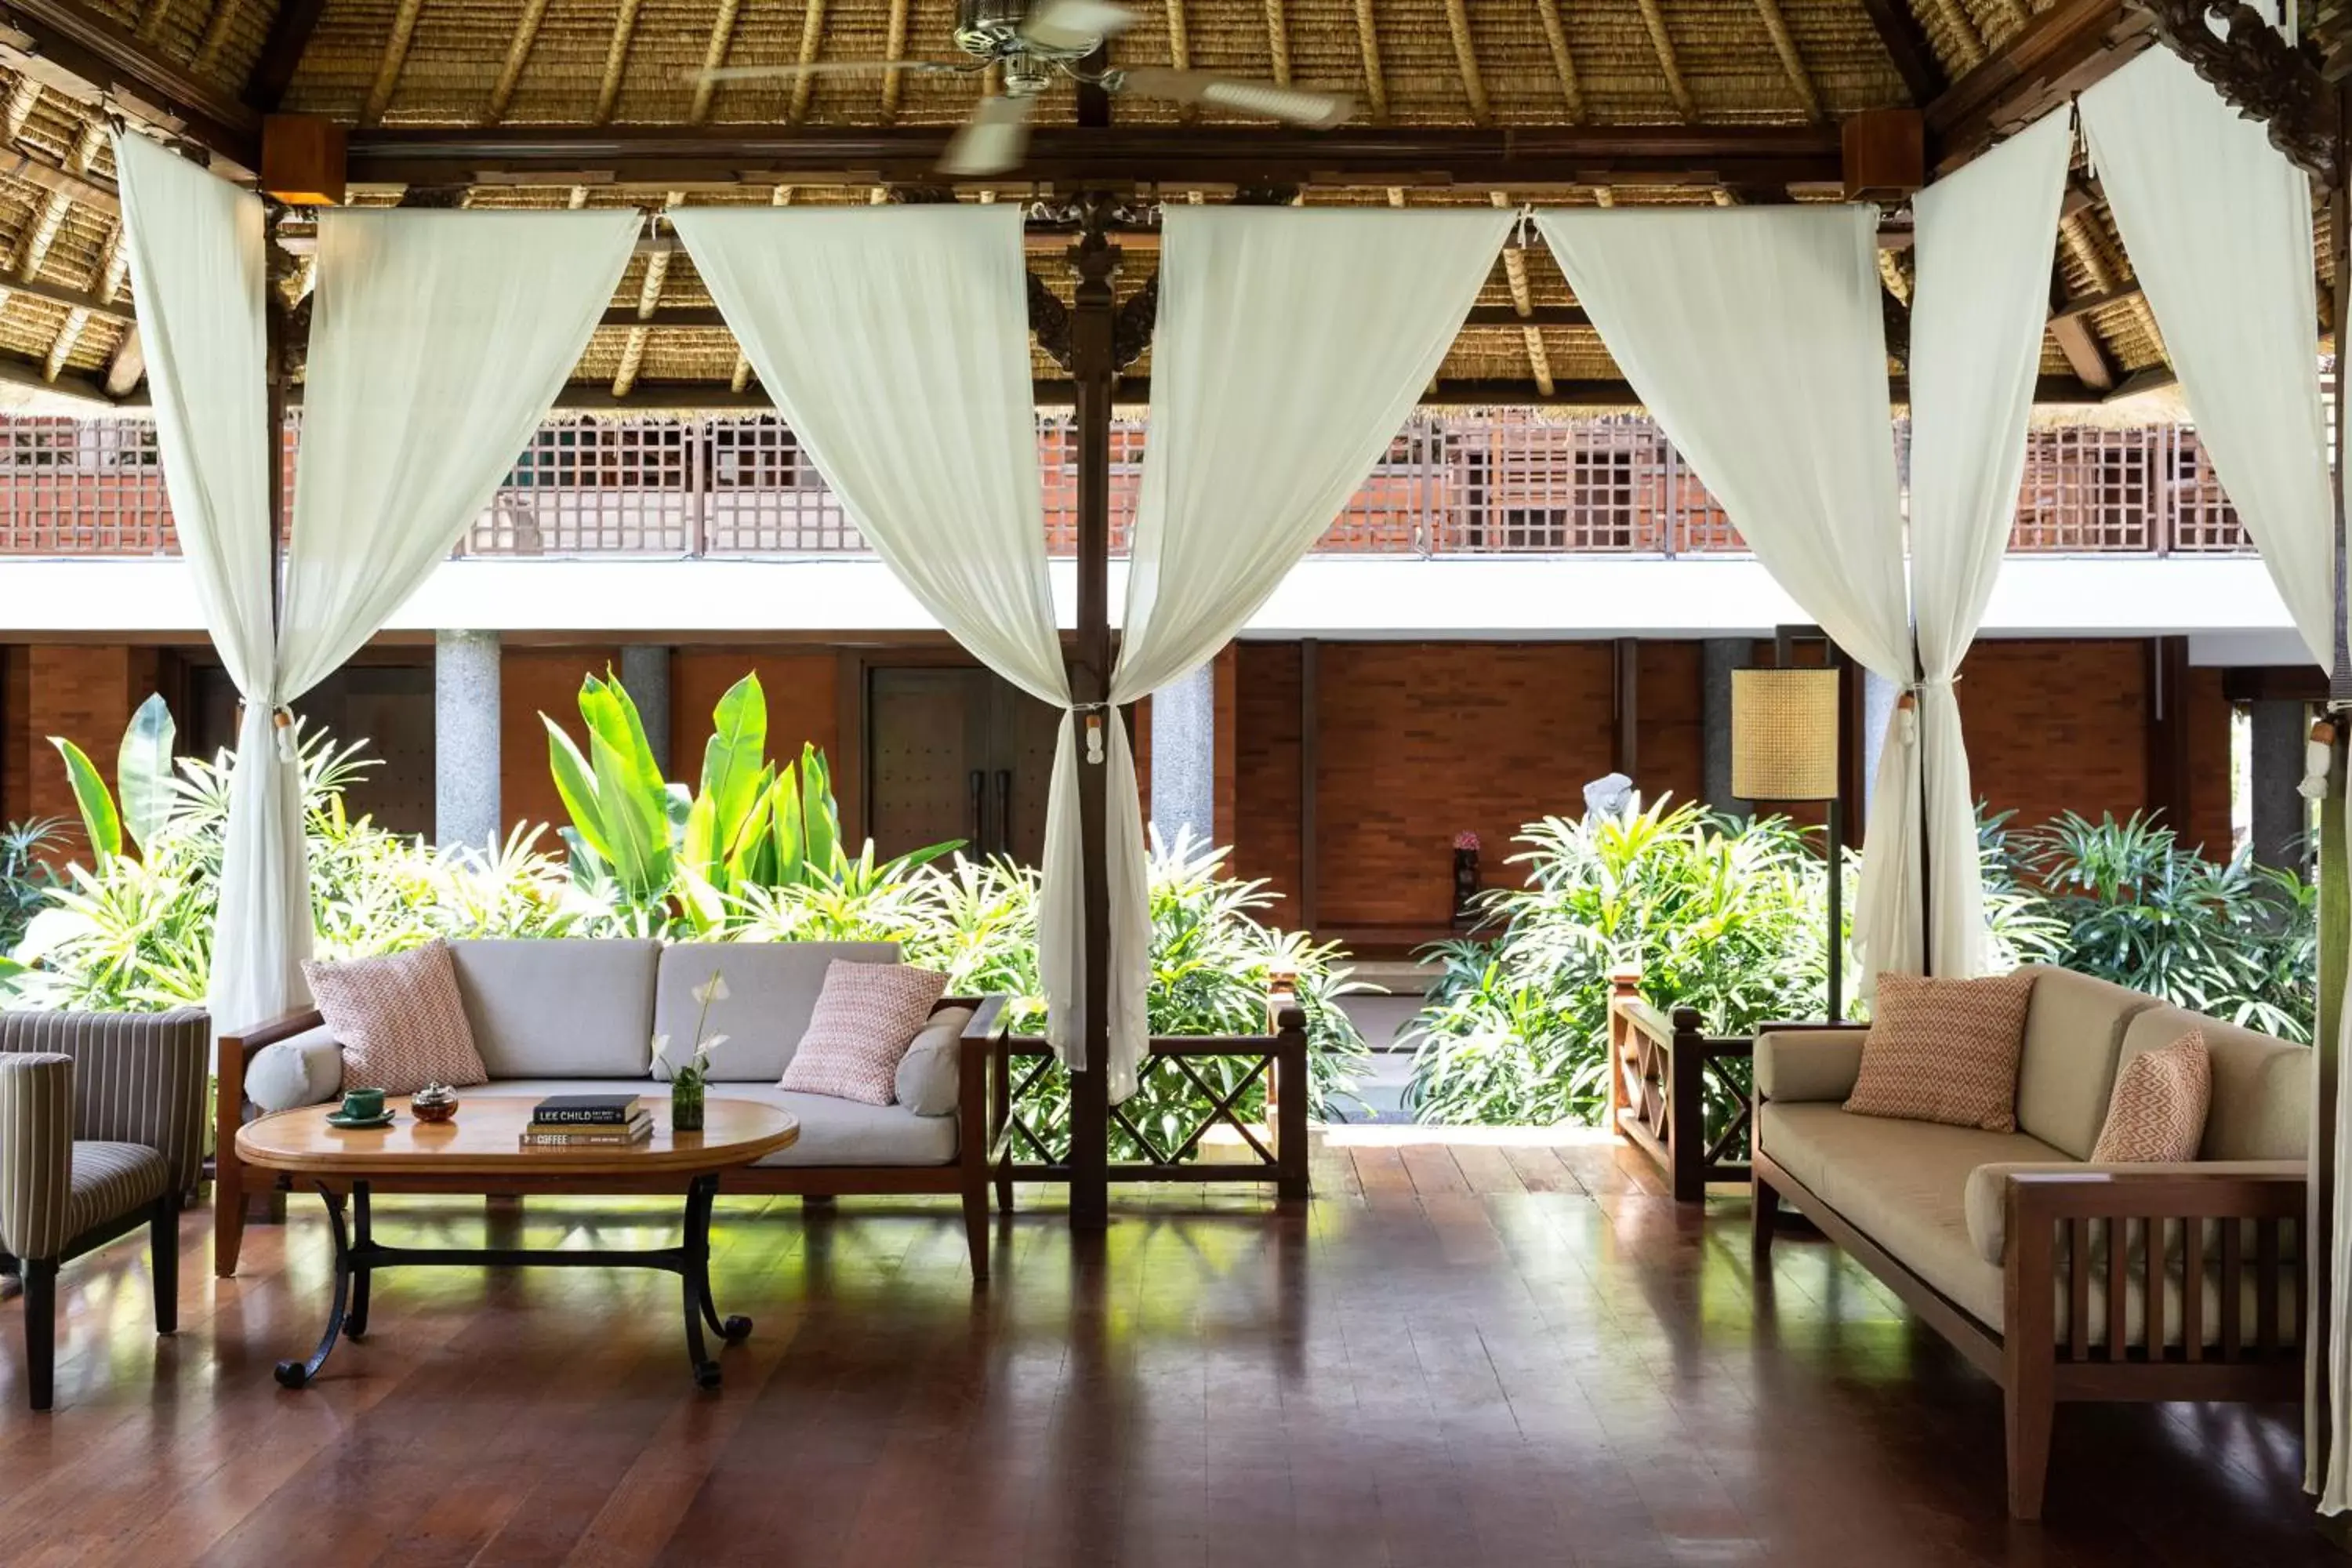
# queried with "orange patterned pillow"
point(2157, 1112)
point(399, 1019)
point(1944, 1050)
point(867, 1016)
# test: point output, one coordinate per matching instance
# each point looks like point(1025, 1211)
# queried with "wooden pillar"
point(1626, 705)
point(2167, 733)
point(1093, 370)
point(1310, 764)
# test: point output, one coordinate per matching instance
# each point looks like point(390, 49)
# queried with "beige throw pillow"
point(932, 1074)
point(867, 1016)
point(398, 1018)
point(2157, 1114)
point(1944, 1050)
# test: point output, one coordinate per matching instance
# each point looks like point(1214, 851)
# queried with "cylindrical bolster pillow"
point(1808, 1064)
point(1988, 1192)
point(302, 1070)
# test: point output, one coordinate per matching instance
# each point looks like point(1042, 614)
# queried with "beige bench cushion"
point(2075, 1029)
point(1901, 1183)
point(772, 989)
point(1808, 1064)
point(1988, 1199)
point(833, 1132)
point(577, 1008)
point(2260, 1105)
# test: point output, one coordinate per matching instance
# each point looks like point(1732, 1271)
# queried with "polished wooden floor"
point(1503, 1352)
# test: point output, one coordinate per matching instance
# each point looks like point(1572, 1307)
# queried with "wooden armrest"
point(987, 1021)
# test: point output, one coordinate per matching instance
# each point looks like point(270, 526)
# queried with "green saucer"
point(358, 1124)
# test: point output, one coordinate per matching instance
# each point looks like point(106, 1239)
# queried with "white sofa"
point(578, 1016)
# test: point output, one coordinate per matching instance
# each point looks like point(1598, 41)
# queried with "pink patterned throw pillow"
point(2157, 1112)
point(867, 1016)
point(399, 1019)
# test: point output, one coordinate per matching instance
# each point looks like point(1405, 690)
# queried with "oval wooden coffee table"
point(481, 1151)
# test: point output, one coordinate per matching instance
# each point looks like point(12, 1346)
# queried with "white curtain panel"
point(2218, 227)
point(1754, 337)
point(438, 341)
point(198, 265)
point(1979, 311)
point(1271, 400)
point(895, 341)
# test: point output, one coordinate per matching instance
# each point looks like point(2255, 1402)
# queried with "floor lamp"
point(1784, 747)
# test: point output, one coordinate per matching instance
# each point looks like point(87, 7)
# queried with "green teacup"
point(364, 1104)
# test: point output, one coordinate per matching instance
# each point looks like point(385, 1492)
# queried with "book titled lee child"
point(545, 1135)
point(587, 1110)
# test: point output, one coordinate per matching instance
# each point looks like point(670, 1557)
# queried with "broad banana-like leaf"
point(788, 832)
point(752, 850)
point(637, 823)
point(734, 759)
point(820, 818)
point(612, 715)
point(706, 906)
point(575, 783)
point(143, 772)
point(99, 819)
point(699, 850)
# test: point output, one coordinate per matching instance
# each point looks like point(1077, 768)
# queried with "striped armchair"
point(101, 1129)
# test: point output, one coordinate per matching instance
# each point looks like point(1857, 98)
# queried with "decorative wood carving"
point(1050, 319)
point(2262, 77)
point(1131, 334)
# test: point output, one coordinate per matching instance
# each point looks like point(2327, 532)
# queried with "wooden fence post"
point(1289, 1111)
point(1687, 1106)
point(1625, 985)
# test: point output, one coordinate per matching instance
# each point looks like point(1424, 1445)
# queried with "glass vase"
point(686, 1105)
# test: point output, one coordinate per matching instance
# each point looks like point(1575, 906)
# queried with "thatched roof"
point(395, 64)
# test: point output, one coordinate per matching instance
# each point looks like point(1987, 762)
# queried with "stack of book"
point(579, 1119)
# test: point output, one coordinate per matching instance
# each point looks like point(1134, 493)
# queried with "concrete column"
point(645, 675)
point(466, 738)
point(2276, 768)
point(1184, 757)
point(1879, 698)
point(1718, 657)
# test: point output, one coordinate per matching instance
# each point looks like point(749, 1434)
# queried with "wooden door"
point(955, 753)
point(926, 756)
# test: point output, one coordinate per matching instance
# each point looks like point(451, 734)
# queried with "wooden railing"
point(1659, 1070)
point(1274, 1150)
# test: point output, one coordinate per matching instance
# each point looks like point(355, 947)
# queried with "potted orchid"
point(688, 1077)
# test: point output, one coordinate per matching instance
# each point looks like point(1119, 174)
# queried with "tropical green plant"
point(654, 852)
point(2232, 938)
point(26, 879)
point(1716, 913)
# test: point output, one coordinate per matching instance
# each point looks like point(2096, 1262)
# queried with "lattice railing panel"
point(2203, 521)
point(766, 497)
point(594, 486)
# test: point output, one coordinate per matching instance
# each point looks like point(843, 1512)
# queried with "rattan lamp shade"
point(1784, 734)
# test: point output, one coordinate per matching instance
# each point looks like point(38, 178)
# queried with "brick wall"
point(803, 686)
point(84, 693)
point(1420, 740)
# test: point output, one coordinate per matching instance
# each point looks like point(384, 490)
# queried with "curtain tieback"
point(282, 720)
point(1092, 712)
point(2317, 759)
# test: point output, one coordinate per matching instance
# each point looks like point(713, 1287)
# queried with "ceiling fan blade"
point(1293, 105)
point(824, 68)
point(1075, 23)
point(992, 141)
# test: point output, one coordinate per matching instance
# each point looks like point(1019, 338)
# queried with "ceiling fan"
point(1037, 39)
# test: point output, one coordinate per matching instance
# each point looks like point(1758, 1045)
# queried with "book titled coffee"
point(587, 1110)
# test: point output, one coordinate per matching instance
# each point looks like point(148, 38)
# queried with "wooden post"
point(1625, 985)
point(1687, 1108)
point(1093, 370)
point(1310, 764)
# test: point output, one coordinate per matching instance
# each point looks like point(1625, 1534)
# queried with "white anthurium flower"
point(711, 990)
point(713, 1043)
point(661, 1046)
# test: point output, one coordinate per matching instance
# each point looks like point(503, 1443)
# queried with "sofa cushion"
point(398, 1018)
point(930, 1073)
point(833, 1132)
point(1944, 1050)
point(2158, 1115)
point(865, 1018)
point(2260, 1105)
point(772, 989)
point(1807, 1064)
point(1901, 1183)
point(2073, 1030)
point(302, 1069)
point(575, 1007)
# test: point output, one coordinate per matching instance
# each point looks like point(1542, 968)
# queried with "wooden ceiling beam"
point(82, 187)
point(1368, 44)
point(518, 48)
point(1661, 44)
point(113, 61)
point(1563, 62)
point(708, 318)
point(714, 56)
point(1793, 63)
point(1522, 158)
point(1906, 42)
point(2059, 53)
point(282, 52)
point(394, 60)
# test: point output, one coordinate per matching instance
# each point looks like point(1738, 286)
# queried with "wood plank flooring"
point(1496, 1349)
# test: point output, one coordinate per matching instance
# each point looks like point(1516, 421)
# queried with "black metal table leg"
point(296, 1374)
point(355, 1322)
point(696, 1279)
point(733, 1330)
